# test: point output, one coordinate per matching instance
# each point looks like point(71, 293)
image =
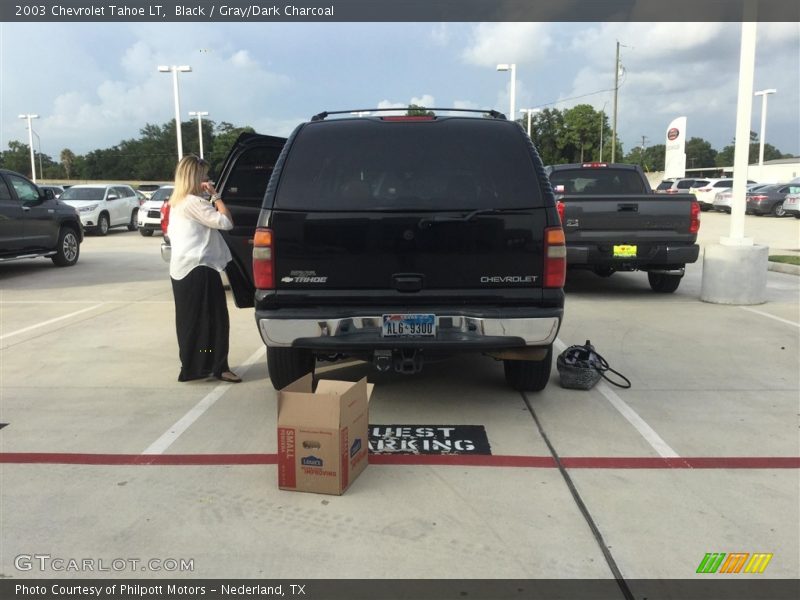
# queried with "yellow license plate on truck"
point(624, 251)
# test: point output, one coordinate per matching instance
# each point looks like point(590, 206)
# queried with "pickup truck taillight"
point(555, 258)
point(164, 217)
point(694, 223)
point(263, 260)
point(560, 208)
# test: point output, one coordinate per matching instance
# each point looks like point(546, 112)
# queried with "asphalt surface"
point(107, 456)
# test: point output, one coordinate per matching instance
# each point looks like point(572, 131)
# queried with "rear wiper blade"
point(428, 221)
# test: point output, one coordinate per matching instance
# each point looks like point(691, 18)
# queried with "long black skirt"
point(202, 324)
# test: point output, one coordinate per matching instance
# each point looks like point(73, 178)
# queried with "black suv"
point(391, 239)
point(33, 223)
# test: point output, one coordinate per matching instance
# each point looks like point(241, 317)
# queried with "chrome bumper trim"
point(533, 331)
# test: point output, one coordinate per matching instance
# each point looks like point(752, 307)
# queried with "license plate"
point(624, 251)
point(409, 325)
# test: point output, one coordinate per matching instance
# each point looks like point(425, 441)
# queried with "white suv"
point(103, 206)
point(150, 212)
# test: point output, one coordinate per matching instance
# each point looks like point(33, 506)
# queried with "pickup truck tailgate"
point(628, 218)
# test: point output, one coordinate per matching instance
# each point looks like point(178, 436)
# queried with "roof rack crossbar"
point(488, 111)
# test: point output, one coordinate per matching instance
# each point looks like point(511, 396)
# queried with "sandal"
point(229, 377)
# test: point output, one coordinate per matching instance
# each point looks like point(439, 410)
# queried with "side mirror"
point(112, 197)
point(48, 194)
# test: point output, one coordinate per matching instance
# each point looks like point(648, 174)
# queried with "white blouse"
point(194, 237)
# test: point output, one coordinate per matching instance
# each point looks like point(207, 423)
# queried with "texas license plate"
point(624, 251)
point(408, 325)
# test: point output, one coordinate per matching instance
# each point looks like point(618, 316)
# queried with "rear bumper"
point(655, 255)
point(456, 329)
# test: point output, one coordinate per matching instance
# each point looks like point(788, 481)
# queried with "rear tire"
point(132, 224)
point(68, 248)
point(146, 232)
point(287, 365)
point(663, 283)
point(529, 375)
point(777, 210)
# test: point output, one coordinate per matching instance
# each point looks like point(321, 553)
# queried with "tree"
point(725, 157)
point(547, 129)
point(700, 154)
point(582, 130)
point(67, 158)
point(225, 136)
point(418, 111)
point(17, 158)
point(651, 160)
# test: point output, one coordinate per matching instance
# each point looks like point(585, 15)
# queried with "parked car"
point(395, 239)
point(705, 193)
point(149, 219)
point(57, 190)
point(769, 199)
point(681, 185)
point(791, 204)
point(147, 189)
point(33, 223)
point(104, 206)
point(723, 201)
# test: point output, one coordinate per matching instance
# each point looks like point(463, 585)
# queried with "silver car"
point(724, 200)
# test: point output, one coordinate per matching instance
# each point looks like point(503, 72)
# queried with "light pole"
point(199, 114)
point(530, 111)
point(763, 94)
point(175, 70)
point(602, 127)
point(513, 68)
point(30, 143)
point(39, 145)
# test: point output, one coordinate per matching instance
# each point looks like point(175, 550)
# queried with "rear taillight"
point(555, 258)
point(758, 198)
point(694, 223)
point(560, 208)
point(704, 190)
point(670, 191)
point(263, 260)
point(164, 217)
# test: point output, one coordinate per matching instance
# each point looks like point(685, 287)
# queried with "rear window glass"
point(598, 181)
point(161, 194)
point(665, 185)
point(432, 165)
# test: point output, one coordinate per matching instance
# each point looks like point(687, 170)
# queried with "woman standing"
point(199, 254)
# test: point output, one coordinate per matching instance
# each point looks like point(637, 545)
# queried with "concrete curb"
point(783, 268)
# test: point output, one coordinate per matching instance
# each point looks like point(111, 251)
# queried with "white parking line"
point(174, 432)
point(763, 314)
point(648, 433)
point(43, 323)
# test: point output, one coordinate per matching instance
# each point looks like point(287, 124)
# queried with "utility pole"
point(616, 90)
point(644, 142)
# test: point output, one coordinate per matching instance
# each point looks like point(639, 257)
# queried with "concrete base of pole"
point(734, 274)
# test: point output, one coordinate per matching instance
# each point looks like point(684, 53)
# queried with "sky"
point(96, 84)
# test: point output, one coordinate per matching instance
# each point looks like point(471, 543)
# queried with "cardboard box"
point(322, 434)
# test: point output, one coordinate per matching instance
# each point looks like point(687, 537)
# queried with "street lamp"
point(175, 70)
point(30, 143)
point(530, 111)
point(763, 94)
point(199, 114)
point(513, 68)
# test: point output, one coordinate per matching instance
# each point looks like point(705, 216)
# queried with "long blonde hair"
point(189, 175)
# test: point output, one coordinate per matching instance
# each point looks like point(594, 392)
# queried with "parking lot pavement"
point(700, 455)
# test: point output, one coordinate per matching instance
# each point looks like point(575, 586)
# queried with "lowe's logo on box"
point(355, 447)
point(311, 461)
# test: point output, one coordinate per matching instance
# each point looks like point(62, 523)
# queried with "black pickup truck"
point(613, 221)
point(394, 239)
point(34, 224)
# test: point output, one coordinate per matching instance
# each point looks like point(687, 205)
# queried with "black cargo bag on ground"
point(581, 367)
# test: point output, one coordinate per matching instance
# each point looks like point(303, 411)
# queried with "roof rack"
point(486, 111)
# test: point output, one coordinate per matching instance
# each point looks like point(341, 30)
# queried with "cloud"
point(520, 43)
